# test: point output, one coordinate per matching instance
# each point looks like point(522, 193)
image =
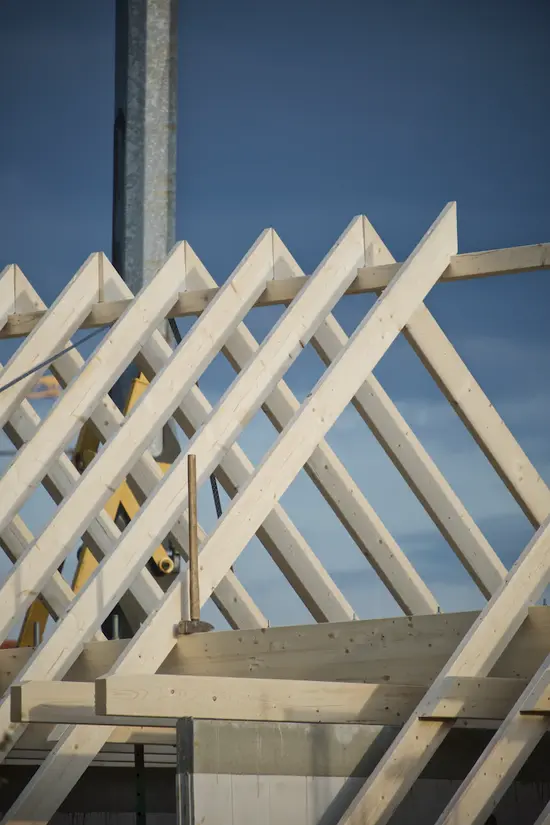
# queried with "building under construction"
point(119, 703)
point(344, 719)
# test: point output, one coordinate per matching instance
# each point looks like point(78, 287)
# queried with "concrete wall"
point(289, 774)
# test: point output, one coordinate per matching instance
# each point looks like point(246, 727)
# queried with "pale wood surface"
point(369, 279)
point(219, 697)
point(162, 699)
point(399, 651)
point(331, 477)
point(499, 763)
point(475, 655)
point(455, 665)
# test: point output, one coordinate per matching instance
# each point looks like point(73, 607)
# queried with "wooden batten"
point(78, 700)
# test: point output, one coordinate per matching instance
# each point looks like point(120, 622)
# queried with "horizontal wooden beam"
point(60, 703)
point(369, 279)
point(402, 650)
point(160, 700)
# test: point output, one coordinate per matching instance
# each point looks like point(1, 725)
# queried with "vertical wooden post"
point(194, 596)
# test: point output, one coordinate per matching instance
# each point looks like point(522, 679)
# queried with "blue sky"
point(300, 115)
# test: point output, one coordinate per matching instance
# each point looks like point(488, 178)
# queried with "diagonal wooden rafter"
point(435, 714)
point(335, 483)
point(500, 762)
point(79, 399)
point(278, 534)
point(284, 343)
point(55, 328)
point(77, 747)
point(102, 534)
point(419, 739)
point(411, 459)
point(108, 361)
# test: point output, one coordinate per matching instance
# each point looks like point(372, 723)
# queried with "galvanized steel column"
point(144, 198)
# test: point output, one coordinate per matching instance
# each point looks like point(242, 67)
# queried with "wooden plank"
point(110, 358)
point(412, 460)
point(336, 484)
point(42, 736)
point(63, 318)
point(537, 698)
point(15, 540)
point(500, 762)
point(101, 534)
point(544, 818)
point(278, 534)
point(248, 510)
point(235, 603)
point(396, 651)
point(282, 539)
point(476, 654)
point(279, 349)
point(162, 699)
point(62, 703)
point(479, 416)
point(369, 279)
point(95, 486)
point(281, 700)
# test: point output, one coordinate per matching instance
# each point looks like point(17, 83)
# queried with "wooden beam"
point(78, 401)
point(152, 700)
point(15, 540)
point(411, 459)
point(500, 762)
point(279, 349)
point(279, 535)
point(61, 703)
point(150, 647)
point(483, 422)
point(101, 535)
point(63, 318)
point(290, 700)
point(475, 655)
point(333, 480)
point(395, 651)
point(479, 416)
point(537, 698)
point(369, 279)
point(95, 486)
point(544, 818)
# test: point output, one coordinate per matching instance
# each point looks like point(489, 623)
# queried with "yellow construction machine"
point(122, 507)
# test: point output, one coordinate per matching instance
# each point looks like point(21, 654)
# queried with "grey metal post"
point(185, 772)
point(144, 197)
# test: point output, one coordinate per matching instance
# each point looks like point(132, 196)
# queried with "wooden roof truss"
point(464, 686)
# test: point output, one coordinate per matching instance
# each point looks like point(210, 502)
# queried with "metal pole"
point(141, 799)
point(185, 776)
point(194, 597)
point(144, 197)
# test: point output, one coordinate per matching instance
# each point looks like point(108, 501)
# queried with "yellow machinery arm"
point(121, 507)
